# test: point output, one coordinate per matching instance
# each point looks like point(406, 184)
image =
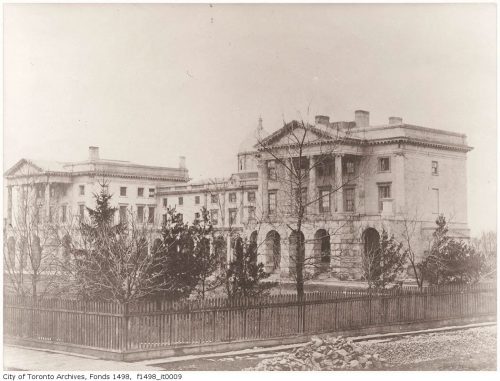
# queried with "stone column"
point(263, 187)
point(360, 192)
point(241, 208)
point(339, 194)
point(9, 204)
point(229, 255)
point(47, 200)
point(312, 188)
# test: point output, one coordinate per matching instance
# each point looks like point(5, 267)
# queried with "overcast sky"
point(148, 83)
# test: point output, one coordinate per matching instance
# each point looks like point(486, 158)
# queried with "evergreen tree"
point(244, 274)
point(450, 260)
point(384, 263)
point(184, 257)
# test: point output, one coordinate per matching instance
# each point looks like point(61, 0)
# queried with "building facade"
point(354, 181)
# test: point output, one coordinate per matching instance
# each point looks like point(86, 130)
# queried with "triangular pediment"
point(294, 133)
point(24, 167)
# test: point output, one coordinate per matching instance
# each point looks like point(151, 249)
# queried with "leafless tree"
point(113, 262)
point(32, 251)
point(304, 151)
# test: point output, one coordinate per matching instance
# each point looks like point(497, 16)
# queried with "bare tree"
point(486, 245)
point(32, 250)
point(112, 262)
point(304, 151)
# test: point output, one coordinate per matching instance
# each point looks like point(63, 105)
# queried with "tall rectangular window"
point(348, 199)
point(435, 201)
point(271, 170)
point(181, 200)
point(435, 168)
point(140, 214)
point(151, 192)
point(151, 215)
point(232, 216)
point(324, 200)
point(81, 210)
point(123, 191)
point(123, 214)
point(140, 192)
point(272, 203)
point(196, 200)
point(81, 189)
point(214, 216)
point(349, 166)
point(165, 202)
point(384, 192)
point(164, 218)
point(232, 197)
point(251, 213)
point(63, 213)
point(251, 196)
point(214, 198)
point(384, 164)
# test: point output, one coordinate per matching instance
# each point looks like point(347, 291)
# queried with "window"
point(435, 168)
point(140, 214)
point(232, 216)
point(140, 192)
point(251, 213)
point(300, 163)
point(251, 196)
point(81, 210)
point(232, 197)
point(165, 202)
point(82, 190)
point(181, 217)
point(181, 200)
point(349, 166)
point(123, 191)
point(214, 198)
point(271, 170)
point(51, 213)
point(435, 196)
point(196, 200)
point(105, 189)
point(384, 164)
point(324, 200)
point(272, 203)
point(384, 192)
point(123, 214)
point(214, 216)
point(325, 167)
point(151, 215)
point(164, 218)
point(348, 199)
point(197, 216)
point(52, 191)
point(151, 192)
point(63, 213)
point(40, 191)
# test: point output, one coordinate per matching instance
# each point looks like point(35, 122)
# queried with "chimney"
point(395, 120)
point(93, 153)
point(362, 118)
point(322, 119)
point(182, 162)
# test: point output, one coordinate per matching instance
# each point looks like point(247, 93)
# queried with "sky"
point(149, 83)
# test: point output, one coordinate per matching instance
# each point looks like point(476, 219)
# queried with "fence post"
point(125, 328)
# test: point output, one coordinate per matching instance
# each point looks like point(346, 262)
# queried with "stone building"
point(360, 180)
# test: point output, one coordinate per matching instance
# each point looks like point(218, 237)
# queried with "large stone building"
point(359, 179)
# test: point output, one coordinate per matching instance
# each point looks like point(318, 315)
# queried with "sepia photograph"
point(249, 187)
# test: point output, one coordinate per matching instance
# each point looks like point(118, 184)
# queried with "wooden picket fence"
point(163, 324)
